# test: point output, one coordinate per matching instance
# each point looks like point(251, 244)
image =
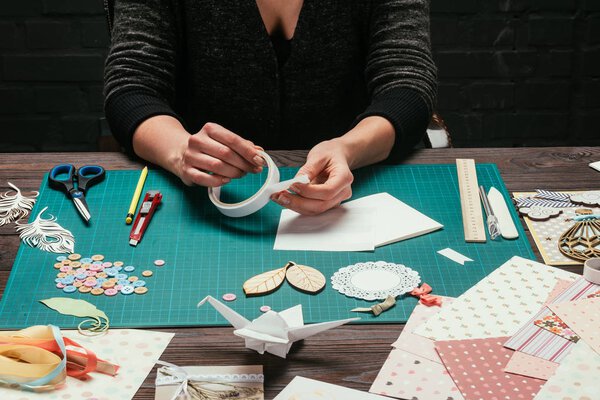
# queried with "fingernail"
point(296, 189)
point(258, 169)
point(225, 180)
point(283, 200)
point(258, 160)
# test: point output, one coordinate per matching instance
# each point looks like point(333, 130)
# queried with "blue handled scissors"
point(75, 183)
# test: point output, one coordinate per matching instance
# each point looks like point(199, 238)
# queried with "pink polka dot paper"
point(477, 368)
point(135, 351)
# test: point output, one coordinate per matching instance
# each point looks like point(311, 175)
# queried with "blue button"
point(69, 289)
point(81, 276)
point(67, 280)
point(129, 268)
point(127, 289)
point(110, 271)
point(117, 268)
point(58, 280)
point(86, 260)
point(123, 282)
point(101, 280)
point(61, 258)
point(121, 276)
point(139, 283)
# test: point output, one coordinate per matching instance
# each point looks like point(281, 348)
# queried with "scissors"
point(76, 183)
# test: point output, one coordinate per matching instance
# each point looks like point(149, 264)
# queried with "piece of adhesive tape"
point(260, 198)
point(591, 270)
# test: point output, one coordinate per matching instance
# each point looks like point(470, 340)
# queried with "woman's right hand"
point(215, 155)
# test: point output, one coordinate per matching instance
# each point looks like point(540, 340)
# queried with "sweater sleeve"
point(400, 73)
point(139, 74)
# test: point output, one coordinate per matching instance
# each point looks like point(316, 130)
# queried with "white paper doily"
point(375, 280)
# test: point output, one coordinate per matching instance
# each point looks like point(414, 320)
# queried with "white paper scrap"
point(380, 218)
point(454, 255)
point(595, 165)
point(310, 389)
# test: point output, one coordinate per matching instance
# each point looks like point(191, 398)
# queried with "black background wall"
point(512, 72)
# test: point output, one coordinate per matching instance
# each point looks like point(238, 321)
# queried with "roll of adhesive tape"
point(260, 198)
point(591, 270)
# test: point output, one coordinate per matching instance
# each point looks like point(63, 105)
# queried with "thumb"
point(313, 167)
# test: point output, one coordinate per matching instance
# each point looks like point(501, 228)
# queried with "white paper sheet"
point(308, 389)
point(375, 220)
point(454, 255)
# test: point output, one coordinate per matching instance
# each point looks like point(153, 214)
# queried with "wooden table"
point(350, 355)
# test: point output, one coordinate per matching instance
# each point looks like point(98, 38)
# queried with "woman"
point(197, 86)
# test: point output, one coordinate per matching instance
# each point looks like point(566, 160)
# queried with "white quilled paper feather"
point(46, 235)
point(15, 206)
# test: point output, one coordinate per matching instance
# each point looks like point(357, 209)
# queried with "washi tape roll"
point(591, 270)
point(260, 198)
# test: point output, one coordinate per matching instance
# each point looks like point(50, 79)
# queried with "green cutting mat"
point(207, 253)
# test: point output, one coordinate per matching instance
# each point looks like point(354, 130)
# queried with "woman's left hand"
point(328, 169)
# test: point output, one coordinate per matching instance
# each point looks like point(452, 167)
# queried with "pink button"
point(80, 270)
point(65, 268)
point(159, 263)
point(90, 273)
point(229, 297)
point(111, 292)
point(96, 268)
point(60, 285)
point(90, 283)
point(107, 264)
point(265, 308)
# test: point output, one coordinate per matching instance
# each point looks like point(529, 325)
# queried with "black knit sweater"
point(213, 61)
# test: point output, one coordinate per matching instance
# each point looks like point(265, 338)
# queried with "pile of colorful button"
point(96, 276)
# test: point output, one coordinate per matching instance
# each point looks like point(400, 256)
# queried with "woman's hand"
point(328, 169)
point(215, 155)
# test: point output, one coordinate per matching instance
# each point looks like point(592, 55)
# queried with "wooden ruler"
point(469, 201)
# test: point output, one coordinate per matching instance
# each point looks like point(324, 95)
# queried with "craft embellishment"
point(590, 199)
point(98, 321)
point(377, 309)
point(46, 235)
point(581, 240)
point(425, 298)
point(538, 213)
point(301, 277)
point(15, 206)
point(375, 280)
point(591, 270)
point(39, 359)
point(260, 198)
point(555, 325)
point(211, 383)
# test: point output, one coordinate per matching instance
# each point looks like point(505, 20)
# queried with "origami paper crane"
point(273, 332)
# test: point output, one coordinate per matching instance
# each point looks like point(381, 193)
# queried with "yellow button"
point(141, 290)
point(133, 278)
point(147, 273)
point(84, 289)
point(97, 257)
point(97, 291)
point(108, 284)
point(74, 257)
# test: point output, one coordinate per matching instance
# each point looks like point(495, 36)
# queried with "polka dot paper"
point(498, 304)
point(135, 351)
point(477, 368)
point(576, 377)
point(527, 365)
point(583, 317)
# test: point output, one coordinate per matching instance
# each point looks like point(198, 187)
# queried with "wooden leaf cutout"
point(264, 283)
point(79, 308)
point(305, 278)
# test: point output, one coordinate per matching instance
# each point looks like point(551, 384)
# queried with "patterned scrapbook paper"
point(407, 376)
point(415, 344)
point(539, 342)
point(554, 324)
point(477, 368)
point(498, 304)
point(576, 378)
point(583, 316)
point(561, 286)
point(134, 350)
point(534, 367)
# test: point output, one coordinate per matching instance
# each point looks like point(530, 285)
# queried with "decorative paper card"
point(477, 368)
point(416, 344)
point(134, 350)
point(542, 343)
point(243, 382)
point(583, 316)
point(554, 324)
point(407, 376)
point(378, 219)
point(534, 367)
point(498, 304)
point(546, 233)
point(309, 389)
point(561, 286)
point(575, 378)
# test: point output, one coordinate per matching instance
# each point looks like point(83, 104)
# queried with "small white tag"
point(454, 256)
point(595, 165)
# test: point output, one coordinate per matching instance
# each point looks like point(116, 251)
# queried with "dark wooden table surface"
point(349, 355)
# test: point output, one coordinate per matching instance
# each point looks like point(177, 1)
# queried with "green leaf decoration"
point(80, 308)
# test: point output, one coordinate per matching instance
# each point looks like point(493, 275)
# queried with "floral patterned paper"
point(555, 325)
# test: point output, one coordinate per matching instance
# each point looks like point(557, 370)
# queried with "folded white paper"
point(377, 219)
point(454, 255)
point(310, 389)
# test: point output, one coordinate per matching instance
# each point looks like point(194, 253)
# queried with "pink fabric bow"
point(424, 297)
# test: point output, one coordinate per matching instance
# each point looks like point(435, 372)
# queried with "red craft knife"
point(151, 201)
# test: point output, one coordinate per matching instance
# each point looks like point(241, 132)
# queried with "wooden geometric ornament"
point(581, 241)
